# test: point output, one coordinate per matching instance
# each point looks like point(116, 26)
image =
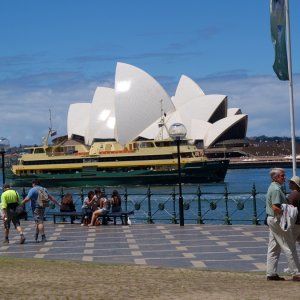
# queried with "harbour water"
point(161, 203)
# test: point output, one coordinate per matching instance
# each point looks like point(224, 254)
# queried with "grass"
point(53, 279)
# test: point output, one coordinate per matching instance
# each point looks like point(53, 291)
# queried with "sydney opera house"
point(137, 105)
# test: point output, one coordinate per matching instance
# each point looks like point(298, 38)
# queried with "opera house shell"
point(137, 104)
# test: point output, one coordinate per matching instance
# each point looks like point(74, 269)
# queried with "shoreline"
point(261, 162)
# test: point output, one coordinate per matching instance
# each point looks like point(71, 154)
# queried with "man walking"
point(279, 240)
point(37, 210)
point(10, 199)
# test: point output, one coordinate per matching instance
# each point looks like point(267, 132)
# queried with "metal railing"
point(162, 207)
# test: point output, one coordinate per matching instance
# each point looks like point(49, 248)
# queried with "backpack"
point(43, 198)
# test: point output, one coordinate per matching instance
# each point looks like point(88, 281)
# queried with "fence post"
point(174, 218)
point(149, 219)
point(125, 198)
point(23, 196)
point(199, 219)
point(62, 193)
point(254, 219)
point(23, 193)
point(227, 219)
point(81, 195)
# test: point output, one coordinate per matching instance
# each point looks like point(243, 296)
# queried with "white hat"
point(296, 180)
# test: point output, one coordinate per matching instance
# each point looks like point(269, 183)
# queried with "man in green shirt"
point(279, 240)
point(10, 199)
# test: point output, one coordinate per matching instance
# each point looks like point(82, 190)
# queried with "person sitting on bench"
point(86, 208)
point(102, 210)
point(116, 202)
point(67, 205)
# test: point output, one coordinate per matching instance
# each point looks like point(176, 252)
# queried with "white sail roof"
point(219, 127)
point(187, 89)
point(199, 129)
point(102, 116)
point(138, 101)
point(78, 118)
point(233, 111)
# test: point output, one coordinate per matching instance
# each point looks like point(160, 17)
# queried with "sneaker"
point(275, 277)
point(44, 239)
point(6, 241)
point(22, 239)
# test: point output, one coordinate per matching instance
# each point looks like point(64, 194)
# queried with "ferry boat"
point(140, 162)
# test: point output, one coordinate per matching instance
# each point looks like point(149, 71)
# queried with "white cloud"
point(264, 98)
point(25, 102)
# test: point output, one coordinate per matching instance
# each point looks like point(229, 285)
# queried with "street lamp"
point(177, 132)
point(4, 145)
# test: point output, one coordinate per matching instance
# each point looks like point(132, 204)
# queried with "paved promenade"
point(212, 247)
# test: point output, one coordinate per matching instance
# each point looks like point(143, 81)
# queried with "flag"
point(278, 26)
point(53, 132)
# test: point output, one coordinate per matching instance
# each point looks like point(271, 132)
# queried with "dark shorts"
point(11, 217)
point(38, 215)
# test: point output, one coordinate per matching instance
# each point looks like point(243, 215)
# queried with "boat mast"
point(46, 138)
point(161, 123)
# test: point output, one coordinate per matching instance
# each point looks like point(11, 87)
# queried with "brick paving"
point(212, 247)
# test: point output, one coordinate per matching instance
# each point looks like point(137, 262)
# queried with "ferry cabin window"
point(39, 150)
point(29, 151)
point(69, 149)
point(146, 145)
point(163, 144)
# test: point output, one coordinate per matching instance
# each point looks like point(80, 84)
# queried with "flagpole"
point(291, 93)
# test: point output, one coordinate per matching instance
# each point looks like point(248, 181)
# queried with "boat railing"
point(116, 152)
point(150, 205)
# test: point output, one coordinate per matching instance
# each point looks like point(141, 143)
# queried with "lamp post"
point(177, 132)
point(4, 145)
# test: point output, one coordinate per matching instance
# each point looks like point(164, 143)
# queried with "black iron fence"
point(200, 207)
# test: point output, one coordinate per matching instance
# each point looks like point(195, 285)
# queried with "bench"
point(71, 215)
point(123, 215)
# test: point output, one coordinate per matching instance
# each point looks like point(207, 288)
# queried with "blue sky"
point(55, 53)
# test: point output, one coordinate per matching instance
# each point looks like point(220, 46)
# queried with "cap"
point(296, 180)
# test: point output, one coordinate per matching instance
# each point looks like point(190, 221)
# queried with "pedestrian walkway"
point(212, 247)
